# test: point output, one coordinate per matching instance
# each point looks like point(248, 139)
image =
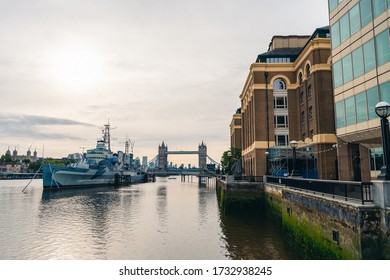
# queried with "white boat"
point(98, 167)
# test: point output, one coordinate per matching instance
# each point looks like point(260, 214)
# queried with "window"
point(281, 121)
point(333, 4)
point(385, 91)
point(303, 117)
point(372, 100)
point(335, 34)
point(279, 84)
point(365, 12)
point(340, 114)
point(300, 78)
point(337, 74)
point(304, 136)
point(308, 73)
point(383, 47)
point(376, 158)
point(369, 56)
point(310, 112)
point(281, 140)
point(350, 111)
point(354, 19)
point(347, 68)
point(378, 7)
point(361, 107)
point(357, 60)
point(301, 97)
point(344, 28)
point(280, 102)
point(311, 133)
point(309, 93)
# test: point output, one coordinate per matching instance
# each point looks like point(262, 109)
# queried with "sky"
point(158, 71)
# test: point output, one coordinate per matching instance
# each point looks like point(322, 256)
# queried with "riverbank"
point(315, 226)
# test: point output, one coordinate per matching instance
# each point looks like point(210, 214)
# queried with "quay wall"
point(317, 227)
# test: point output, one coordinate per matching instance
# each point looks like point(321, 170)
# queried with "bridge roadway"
point(197, 173)
point(182, 152)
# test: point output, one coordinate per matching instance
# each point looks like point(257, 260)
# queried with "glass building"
point(361, 78)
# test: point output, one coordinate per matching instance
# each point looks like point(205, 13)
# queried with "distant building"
point(202, 155)
point(361, 78)
point(16, 157)
point(235, 130)
point(288, 96)
point(162, 156)
point(144, 161)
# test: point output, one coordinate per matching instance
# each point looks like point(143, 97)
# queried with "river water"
point(166, 220)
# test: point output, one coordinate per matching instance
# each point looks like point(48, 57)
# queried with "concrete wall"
point(324, 228)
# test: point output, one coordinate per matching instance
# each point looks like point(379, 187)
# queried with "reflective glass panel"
point(344, 28)
point(365, 12)
point(347, 69)
point(372, 100)
point(340, 114)
point(350, 112)
point(354, 18)
point(357, 60)
point(361, 107)
point(335, 35)
point(369, 56)
point(383, 47)
point(385, 91)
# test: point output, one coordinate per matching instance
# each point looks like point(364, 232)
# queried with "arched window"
point(279, 84)
point(308, 73)
point(300, 77)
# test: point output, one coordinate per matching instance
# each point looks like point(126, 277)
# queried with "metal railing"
point(357, 191)
point(257, 179)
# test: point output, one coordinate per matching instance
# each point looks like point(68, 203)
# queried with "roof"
point(293, 53)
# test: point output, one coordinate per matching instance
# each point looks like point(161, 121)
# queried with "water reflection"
point(255, 238)
point(167, 219)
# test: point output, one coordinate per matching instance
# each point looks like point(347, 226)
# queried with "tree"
point(229, 158)
point(6, 158)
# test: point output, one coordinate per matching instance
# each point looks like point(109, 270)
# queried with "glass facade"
point(362, 60)
point(350, 112)
point(340, 114)
point(385, 91)
point(358, 65)
point(361, 107)
point(357, 17)
point(383, 47)
point(347, 68)
point(354, 19)
point(369, 56)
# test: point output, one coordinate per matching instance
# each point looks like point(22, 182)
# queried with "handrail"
point(360, 191)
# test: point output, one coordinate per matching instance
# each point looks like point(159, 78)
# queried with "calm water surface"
point(168, 219)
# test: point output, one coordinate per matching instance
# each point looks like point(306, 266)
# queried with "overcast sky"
point(167, 70)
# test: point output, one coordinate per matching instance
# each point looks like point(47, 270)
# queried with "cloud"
point(36, 127)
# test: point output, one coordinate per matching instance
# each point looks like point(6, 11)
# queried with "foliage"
point(61, 162)
point(6, 158)
point(34, 166)
point(229, 158)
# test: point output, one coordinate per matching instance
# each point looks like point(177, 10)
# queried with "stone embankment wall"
point(317, 227)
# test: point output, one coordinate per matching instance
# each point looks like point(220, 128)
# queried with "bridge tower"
point(202, 155)
point(162, 156)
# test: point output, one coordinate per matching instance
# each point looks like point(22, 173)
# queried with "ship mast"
point(106, 134)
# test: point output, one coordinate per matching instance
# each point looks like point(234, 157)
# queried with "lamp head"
point(382, 109)
point(293, 144)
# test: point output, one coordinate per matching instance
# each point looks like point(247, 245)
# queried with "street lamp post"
point(382, 109)
point(266, 163)
point(294, 145)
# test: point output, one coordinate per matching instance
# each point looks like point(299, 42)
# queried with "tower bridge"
point(161, 160)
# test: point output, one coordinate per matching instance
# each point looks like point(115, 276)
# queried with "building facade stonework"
point(288, 96)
